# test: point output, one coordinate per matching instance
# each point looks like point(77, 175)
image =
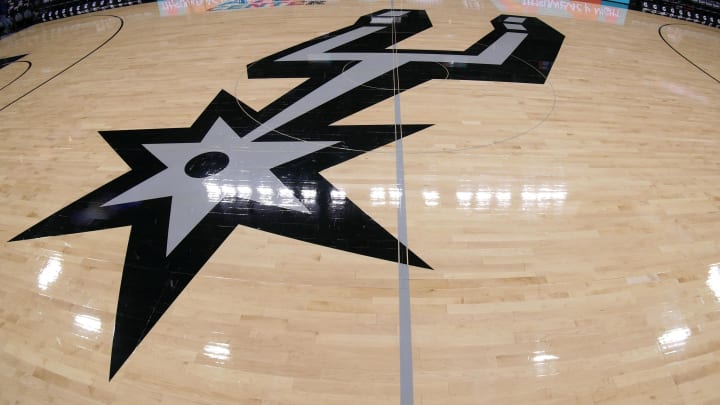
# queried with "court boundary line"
point(122, 24)
point(21, 74)
point(679, 53)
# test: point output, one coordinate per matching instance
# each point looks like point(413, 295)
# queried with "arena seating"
point(18, 14)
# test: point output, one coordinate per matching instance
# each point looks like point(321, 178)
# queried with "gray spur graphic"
point(188, 188)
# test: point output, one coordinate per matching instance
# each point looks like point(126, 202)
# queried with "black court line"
point(29, 65)
point(122, 23)
point(683, 56)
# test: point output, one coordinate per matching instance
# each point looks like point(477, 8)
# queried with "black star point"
point(6, 61)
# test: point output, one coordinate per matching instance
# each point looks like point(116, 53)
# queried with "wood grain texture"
point(573, 227)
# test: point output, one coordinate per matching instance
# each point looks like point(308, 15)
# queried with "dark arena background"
point(18, 14)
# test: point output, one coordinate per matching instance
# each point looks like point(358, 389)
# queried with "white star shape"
point(246, 176)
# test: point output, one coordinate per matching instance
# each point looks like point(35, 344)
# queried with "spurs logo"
point(188, 188)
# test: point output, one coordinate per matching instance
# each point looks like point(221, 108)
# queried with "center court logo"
point(188, 188)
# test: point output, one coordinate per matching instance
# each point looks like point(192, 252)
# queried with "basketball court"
point(360, 202)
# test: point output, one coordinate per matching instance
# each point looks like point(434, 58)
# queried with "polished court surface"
point(430, 202)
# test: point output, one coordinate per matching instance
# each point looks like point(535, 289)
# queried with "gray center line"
point(407, 386)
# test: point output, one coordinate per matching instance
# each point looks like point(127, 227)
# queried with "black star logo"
point(180, 174)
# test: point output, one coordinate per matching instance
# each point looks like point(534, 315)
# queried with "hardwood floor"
point(561, 207)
